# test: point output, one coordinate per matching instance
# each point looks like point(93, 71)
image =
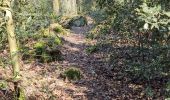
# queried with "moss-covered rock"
point(72, 74)
point(77, 21)
point(64, 21)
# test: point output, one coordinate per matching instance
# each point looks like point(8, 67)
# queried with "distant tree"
point(65, 7)
point(56, 8)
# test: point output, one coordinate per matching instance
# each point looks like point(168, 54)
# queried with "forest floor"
point(98, 81)
point(44, 81)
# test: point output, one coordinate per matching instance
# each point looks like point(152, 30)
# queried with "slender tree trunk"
point(56, 7)
point(65, 7)
point(12, 45)
point(6, 8)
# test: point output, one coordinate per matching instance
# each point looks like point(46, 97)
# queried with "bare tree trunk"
point(6, 8)
point(68, 7)
point(56, 7)
point(12, 45)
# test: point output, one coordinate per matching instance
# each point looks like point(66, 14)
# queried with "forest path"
point(92, 86)
point(43, 81)
point(99, 81)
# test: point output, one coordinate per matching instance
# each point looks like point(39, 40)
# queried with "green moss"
point(54, 41)
point(57, 40)
point(40, 44)
point(39, 47)
point(59, 29)
point(72, 74)
point(40, 51)
point(46, 50)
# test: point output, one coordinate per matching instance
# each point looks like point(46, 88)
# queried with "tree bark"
point(56, 7)
point(19, 92)
point(65, 7)
point(12, 44)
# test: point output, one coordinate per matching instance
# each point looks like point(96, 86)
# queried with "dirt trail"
point(75, 55)
point(42, 81)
